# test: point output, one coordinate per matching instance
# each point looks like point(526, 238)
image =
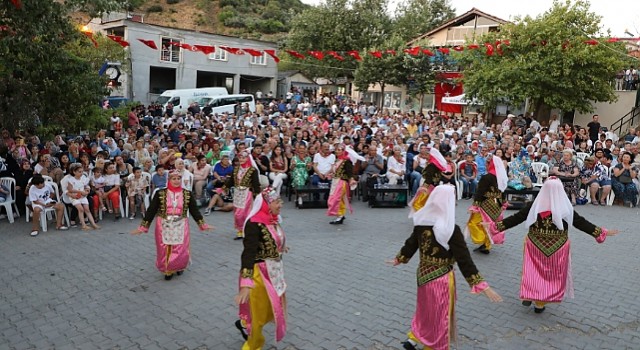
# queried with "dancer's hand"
point(286, 249)
point(137, 231)
point(208, 228)
point(392, 262)
point(492, 295)
point(243, 295)
point(612, 232)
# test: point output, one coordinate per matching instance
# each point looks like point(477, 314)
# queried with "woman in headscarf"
point(247, 185)
point(172, 232)
point(441, 244)
point(432, 175)
point(488, 206)
point(546, 267)
point(341, 180)
point(262, 296)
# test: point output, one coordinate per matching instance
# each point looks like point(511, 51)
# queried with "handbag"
point(173, 230)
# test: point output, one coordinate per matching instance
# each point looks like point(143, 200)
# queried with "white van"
point(226, 104)
point(182, 98)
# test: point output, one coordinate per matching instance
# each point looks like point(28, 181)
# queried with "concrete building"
point(149, 72)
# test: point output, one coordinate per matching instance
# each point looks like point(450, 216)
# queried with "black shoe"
point(338, 221)
point(526, 303)
point(479, 248)
point(408, 346)
point(539, 310)
point(179, 273)
point(482, 249)
point(168, 277)
point(117, 218)
point(242, 330)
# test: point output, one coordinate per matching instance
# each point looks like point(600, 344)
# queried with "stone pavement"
point(100, 290)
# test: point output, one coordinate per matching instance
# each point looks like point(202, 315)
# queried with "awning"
point(460, 100)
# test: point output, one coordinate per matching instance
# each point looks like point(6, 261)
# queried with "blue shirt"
point(482, 165)
point(159, 181)
point(222, 171)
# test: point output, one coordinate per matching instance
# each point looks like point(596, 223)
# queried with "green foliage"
point(235, 22)
point(46, 81)
point(226, 13)
point(270, 26)
point(155, 8)
point(338, 25)
point(562, 73)
point(388, 70)
point(416, 17)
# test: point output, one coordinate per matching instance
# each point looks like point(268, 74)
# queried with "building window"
point(170, 53)
point(219, 55)
point(261, 60)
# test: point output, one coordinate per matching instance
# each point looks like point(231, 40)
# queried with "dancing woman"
point(441, 244)
point(488, 206)
point(342, 179)
point(432, 175)
point(262, 286)
point(546, 267)
point(247, 185)
point(172, 232)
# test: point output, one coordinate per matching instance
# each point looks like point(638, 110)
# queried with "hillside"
point(255, 19)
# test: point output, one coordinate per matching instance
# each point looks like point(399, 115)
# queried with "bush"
point(232, 3)
point(235, 22)
point(224, 15)
point(270, 26)
point(171, 2)
point(155, 8)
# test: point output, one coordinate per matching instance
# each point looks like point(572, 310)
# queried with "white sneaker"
point(132, 217)
point(34, 233)
point(207, 212)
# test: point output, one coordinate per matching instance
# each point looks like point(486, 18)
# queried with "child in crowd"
point(98, 182)
point(136, 190)
point(468, 174)
point(159, 179)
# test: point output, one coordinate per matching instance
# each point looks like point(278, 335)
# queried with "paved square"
point(100, 290)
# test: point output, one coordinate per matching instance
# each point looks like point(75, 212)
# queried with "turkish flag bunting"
point(591, 42)
point(489, 49)
point(613, 40)
point(295, 54)
point(355, 55)
point(473, 47)
point(414, 51)
point(252, 52)
point(149, 43)
point(317, 55)
point(272, 53)
point(232, 50)
point(444, 50)
point(458, 48)
point(205, 49)
point(498, 48)
point(506, 42)
point(120, 40)
point(376, 54)
point(391, 52)
point(90, 36)
point(335, 55)
point(428, 52)
point(17, 4)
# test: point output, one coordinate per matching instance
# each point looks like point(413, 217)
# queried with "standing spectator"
point(594, 129)
point(132, 119)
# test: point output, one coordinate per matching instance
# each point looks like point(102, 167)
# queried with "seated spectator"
point(372, 166)
point(568, 172)
point(420, 162)
point(159, 179)
point(136, 190)
point(223, 201)
point(201, 171)
point(519, 171)
point(594, 176)
point(322, 164)
point(468, 174)
point(220, 174)
point(622, 181)
point(42, 196)
point(396, 166)
point(278, 168)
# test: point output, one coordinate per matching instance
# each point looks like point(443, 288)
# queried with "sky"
point(617, 15)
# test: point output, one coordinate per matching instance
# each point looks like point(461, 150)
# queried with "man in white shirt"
point(322, 164)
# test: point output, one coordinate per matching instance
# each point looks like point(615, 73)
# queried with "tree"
point(337, 25)
point(386, 70)
point(416, 17)
point(547, 59)
point(43, 83)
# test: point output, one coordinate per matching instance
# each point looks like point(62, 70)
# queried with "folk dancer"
point(341, 183)
point(441, 244)
point(262, 286)
point(488, 206)
point(432, 175)
point(172, 232)
point(247, 184)
point(546, 267)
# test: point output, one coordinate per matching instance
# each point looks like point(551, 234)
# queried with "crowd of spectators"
point(292, 145)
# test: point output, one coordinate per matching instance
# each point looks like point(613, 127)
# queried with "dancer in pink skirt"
point(441, 244)
point(546, 267)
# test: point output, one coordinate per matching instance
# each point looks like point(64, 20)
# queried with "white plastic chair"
point(582, 156)
point(459, 182)
point(539, 169)
point(10, 203)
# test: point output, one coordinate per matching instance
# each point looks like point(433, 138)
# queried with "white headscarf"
point(501, 173)
point(353, 156)
point(437, 159)
point(439, 212)
point(552, 198)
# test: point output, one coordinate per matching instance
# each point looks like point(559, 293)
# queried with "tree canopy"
point(547, 59)
point(416, 17)
point(48, 76)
